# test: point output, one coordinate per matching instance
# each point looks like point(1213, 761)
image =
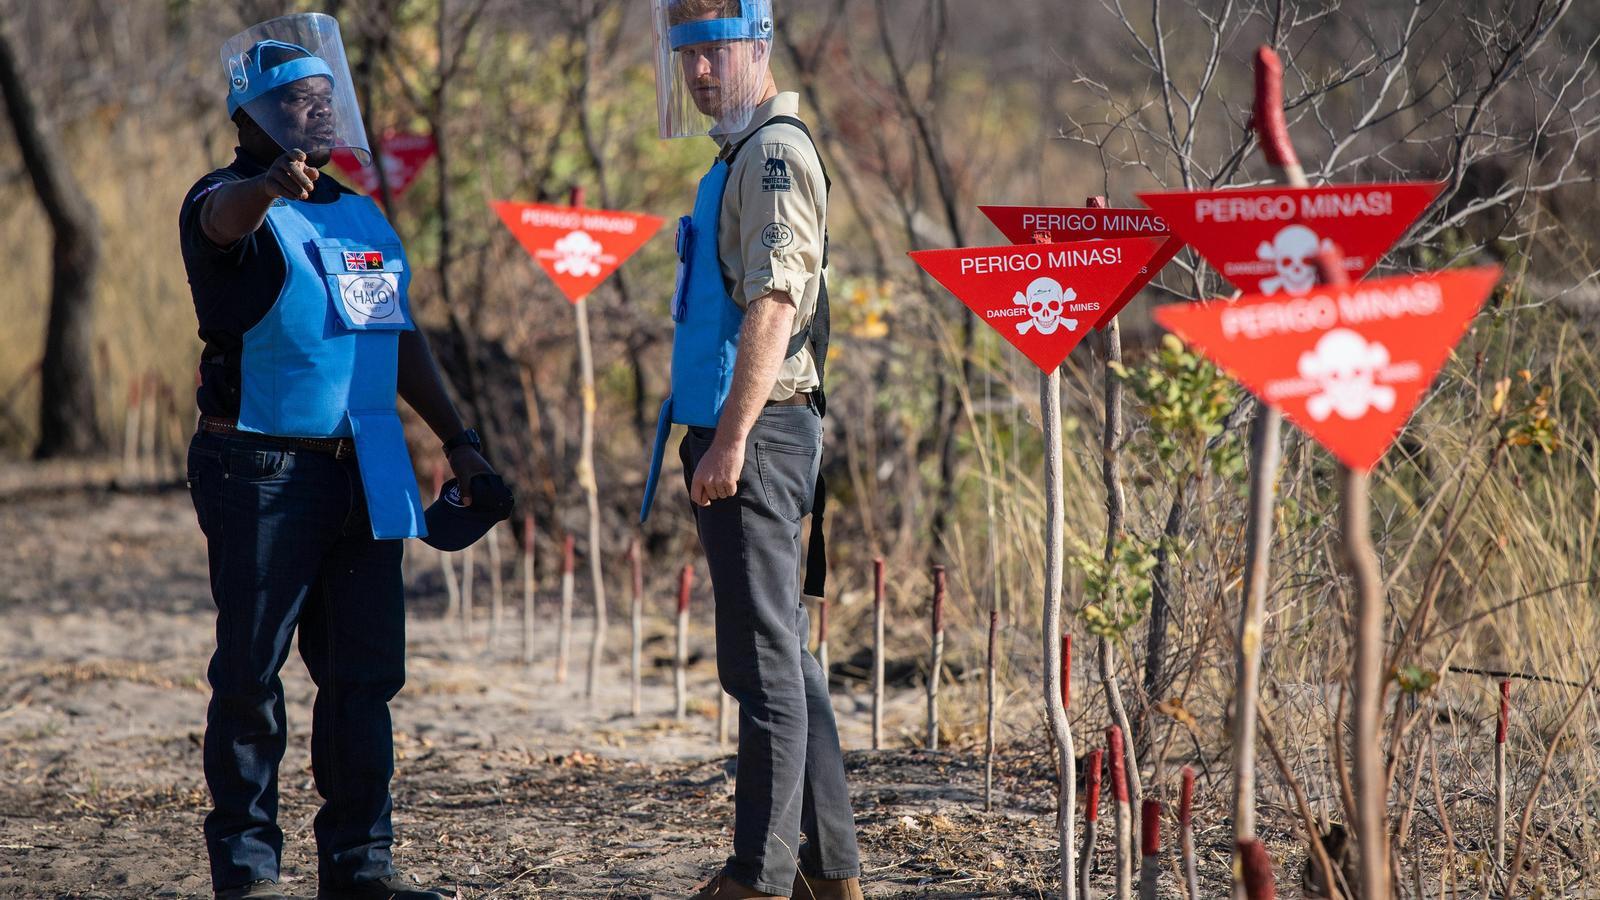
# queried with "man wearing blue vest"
point(750, 344)
point(300, 475)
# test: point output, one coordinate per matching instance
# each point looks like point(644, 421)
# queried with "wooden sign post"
point(1044, 299)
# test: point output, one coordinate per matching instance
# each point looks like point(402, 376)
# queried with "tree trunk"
point(68, 423)
point(470, 383)
point(1054, 671)
point(1366, 632)
point(591, 492)
point(1116, 513)
point(1163, 591)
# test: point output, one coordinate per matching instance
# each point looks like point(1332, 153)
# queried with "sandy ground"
point(508, 784)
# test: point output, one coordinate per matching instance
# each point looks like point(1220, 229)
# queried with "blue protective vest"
point(705, 340)
point(322, 363)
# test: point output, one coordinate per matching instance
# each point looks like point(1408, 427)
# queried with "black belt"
point(338, 448)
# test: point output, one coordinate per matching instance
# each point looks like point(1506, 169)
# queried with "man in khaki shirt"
point(751, 326)
point(773, 227)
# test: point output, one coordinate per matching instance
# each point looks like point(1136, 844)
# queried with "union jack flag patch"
point(363, 261)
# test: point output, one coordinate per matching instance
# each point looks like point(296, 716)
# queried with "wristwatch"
point(468, 438)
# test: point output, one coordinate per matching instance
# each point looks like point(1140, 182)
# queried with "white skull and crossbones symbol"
point(1045, 302)
point(576, 254)
point(1293, 254)
point(1346, 366)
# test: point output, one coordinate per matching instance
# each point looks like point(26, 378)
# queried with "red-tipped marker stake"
point(167, 417)
point(1066, 672)
point(681, 666)
point(1091, 822)
point(1191, 872)
point(147, 435)
point(451, 588)
point(936, 670)
point(991, 689)
point(1270, 123)
point(1256, 868)
point(469, 567)
point(1265, 455)
point(1500, 778)
point(496, 588)
point(569, 567)
point(822, 639)
point(1119, 792)
point(1149, 848)
point(130, 435)
point(877, 654)
point(724, 717)
point(725, 701)
point(636, 656)
point(528, 588)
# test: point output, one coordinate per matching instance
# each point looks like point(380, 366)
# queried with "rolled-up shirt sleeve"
point(780, 224)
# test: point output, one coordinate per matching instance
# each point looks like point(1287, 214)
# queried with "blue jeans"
point(290, 549)
point(791, 779)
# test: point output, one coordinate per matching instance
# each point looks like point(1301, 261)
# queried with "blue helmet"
point(268, 66)
point(263, 60)
point(754, 23)
point(703, 85)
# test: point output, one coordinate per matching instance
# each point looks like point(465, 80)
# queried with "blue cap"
point(453, 526)
point(753, 24)
point(267, 66)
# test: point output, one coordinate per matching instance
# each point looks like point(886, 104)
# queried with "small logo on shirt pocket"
point(777, 236)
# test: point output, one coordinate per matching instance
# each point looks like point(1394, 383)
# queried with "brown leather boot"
point(824, 889)
point(724, 888)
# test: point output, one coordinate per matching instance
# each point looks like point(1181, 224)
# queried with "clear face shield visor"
point(711, 67)
point(291, 77)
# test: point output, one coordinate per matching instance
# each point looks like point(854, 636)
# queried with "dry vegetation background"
point(1487, 512)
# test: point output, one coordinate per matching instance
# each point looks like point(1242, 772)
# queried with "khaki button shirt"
point(774, 215)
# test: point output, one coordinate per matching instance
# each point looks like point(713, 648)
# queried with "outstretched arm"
point(238, 208)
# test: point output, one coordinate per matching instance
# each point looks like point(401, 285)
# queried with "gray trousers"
point(791, 778)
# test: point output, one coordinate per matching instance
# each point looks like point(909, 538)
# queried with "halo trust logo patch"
point(452, 494)
point(370, 297)
point(777, 236)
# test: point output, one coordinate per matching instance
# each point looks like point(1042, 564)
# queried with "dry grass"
point(136, 172)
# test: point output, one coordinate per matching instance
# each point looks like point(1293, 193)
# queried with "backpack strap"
point(816, 333)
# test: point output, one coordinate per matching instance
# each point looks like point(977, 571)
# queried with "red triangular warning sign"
point(1065, 225)
point(1347, 365)
point(1044, 298)
point(577, 247)
point(1266, 240)
point(403, 155)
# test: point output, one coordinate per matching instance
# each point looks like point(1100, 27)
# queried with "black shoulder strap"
point(816, 334)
